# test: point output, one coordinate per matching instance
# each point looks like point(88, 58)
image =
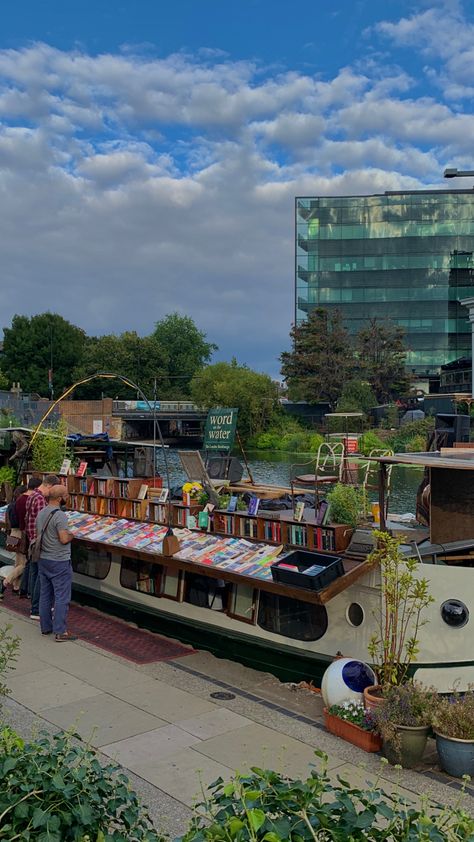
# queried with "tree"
point(321, 359)
point(31, 345)
point(356, 396)
point(230, 384)
point(141, 358)
point(382, 358)
point(187, 350)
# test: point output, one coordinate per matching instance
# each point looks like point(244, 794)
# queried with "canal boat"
point(235, 591)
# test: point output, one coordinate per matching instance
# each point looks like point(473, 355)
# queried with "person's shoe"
point(34, 616)
point(48, 632)
point(64, 636)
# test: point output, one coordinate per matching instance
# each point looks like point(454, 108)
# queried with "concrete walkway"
point(165, 723)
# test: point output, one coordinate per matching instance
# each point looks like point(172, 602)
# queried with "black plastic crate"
point(314, 570)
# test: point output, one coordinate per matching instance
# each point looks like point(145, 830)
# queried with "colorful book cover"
point(299, 511)
point(203, 520)
point(253, 505)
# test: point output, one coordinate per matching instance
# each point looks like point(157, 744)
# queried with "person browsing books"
point(35, 502)
point(54, 565)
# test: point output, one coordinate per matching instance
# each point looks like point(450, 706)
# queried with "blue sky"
point(150, 152)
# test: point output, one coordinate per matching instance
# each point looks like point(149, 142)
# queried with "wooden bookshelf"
point(282, 528)
point(109, 496)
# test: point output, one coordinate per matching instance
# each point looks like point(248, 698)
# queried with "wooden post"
point(382, 488)
point(245, 458)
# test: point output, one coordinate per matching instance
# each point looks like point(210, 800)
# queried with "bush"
point(423, 427)
point(266, 441)
point(347, 504)
point(9, 645)
point(265, 806)
point(370, 441)
point(54, 791)
point(295, 442)
point(417, 444)
point(7, 475)
point(315, 442)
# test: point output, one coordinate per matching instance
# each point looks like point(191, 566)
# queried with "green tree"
point(230, 384)
point(187, 349)
point(141, 358)
point(356, 396)
point(382, 358)
point(29, 346)
point(50, 447)
point(321, 359)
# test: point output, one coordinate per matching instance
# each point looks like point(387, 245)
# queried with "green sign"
point(220, 429)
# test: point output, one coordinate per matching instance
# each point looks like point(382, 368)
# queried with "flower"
point(353, 711)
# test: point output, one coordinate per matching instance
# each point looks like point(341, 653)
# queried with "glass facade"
point(404, 256)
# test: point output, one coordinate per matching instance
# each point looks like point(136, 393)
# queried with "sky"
point(151, 152)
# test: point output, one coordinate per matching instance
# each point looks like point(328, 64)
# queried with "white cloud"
point(133, 186)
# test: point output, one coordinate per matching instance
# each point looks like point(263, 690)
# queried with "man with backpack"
point(36, 501)
point(53, 547)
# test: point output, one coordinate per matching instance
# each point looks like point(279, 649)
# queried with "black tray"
point(327, 568)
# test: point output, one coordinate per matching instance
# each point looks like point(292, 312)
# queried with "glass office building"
point(407, 256)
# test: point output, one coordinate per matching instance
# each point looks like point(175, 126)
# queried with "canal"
point(274, 468)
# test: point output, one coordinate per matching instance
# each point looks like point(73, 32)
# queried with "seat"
point(195, 470)
point(327, 470)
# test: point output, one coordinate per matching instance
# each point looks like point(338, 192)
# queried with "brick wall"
point(91, 417)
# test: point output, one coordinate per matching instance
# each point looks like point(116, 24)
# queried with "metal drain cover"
point(221, 695)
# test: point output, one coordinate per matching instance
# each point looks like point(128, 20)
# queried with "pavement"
point(177, 725)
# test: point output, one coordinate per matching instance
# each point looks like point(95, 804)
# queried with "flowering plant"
point(352, 711)
point(194, 489)
point(454, 716)
point(408, 704)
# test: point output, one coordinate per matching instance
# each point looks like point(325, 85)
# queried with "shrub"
point(347, 504)
point(7, 475)
point(370, 441)
point(265, 806)
point(407, 704)
point(295, 442)
point(315, 442)
point(417, 444)
point(54, 791)
point(407, 431)
point(454, 716)
point(9, 645)
point(266, 441)
point(50, 447)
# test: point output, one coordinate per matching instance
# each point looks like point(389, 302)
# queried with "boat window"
point(243, 602)
point(90, 562)
point(291, 618)
point(141, 575)
point(170, 588)
point(206, 592)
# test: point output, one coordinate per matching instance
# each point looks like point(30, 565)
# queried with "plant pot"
point(373, 697)
point(412, 746)
point(367, 740)
point(456, 756)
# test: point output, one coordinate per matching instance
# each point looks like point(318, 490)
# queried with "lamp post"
point(455, 173)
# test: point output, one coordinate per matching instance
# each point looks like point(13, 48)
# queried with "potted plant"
point(351, 721)
point(453, 724)
point(347, 504)
point(404, 722)
point(393, 648)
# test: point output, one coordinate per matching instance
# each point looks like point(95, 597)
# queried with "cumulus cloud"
point(134, 186)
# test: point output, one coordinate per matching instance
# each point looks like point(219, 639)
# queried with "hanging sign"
point(220, 429)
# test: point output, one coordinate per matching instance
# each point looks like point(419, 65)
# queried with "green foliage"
point(7, 475)
point(417, 444)
point(229, 385)
point(295, 442)
point(287, 434)
point(49, 447)
point(354, 712)
point(10, 741)
point(347, 504)
point(9, 645)
point(454, 716)
point(265, 806)
point(55, 790)
point(370, 441)
point(321, 358)
point(382, 358)
point(423, 427)
point(7, 419)
point(27, 349)
point(188, 352)
point(4, 381)
point(266, 441)
point(356, 396)
point(141, 358)
point(315, 442)
point(405, 596)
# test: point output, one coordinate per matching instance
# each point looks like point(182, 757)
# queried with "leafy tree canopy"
point(142, 358)
point(321, 360)
point(356, 396)
point(229, 384)
point(382, 358)
point(28, 346)
point(187, 351)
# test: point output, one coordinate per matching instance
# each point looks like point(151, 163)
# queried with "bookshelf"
point(109, 496)
point(282, 528)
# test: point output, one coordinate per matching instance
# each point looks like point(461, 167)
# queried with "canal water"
point(274, 468)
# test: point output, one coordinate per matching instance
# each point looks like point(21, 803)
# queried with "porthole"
point(454, 613)
point(355, 614)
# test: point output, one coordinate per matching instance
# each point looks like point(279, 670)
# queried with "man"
point(34, 505)
point(55, 570)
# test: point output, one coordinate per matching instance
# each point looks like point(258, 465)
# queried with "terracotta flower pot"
point(373, 697)
point(412, 746)
point(367, 740)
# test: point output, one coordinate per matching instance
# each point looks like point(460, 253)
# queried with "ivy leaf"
point(40, 817)
point(256, 818)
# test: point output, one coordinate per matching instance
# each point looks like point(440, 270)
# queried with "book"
point(65, 468)
point(253, 505)
point(164, 494)
point(232, 503)
point(81, 469)
point(299, 511)
point(322, 512)
point(191, 522)
point(142, 492)
point(203, 519)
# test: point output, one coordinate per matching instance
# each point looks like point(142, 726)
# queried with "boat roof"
point(448, 457)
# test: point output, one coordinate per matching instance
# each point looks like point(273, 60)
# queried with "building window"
point(291, 618)
point(90, 562)
point(144, 576)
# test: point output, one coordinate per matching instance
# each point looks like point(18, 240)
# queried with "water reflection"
point(274, 468)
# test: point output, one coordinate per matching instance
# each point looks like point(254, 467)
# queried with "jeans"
point(56, 582)
point(34, 587)
point(25, 579)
